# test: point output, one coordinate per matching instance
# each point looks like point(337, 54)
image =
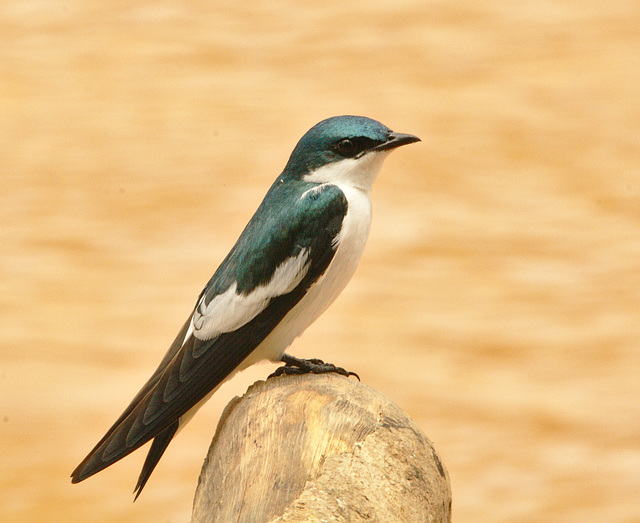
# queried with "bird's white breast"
point(350, 246)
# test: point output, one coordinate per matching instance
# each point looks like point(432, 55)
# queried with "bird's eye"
point(354, 147)
point(346, 148)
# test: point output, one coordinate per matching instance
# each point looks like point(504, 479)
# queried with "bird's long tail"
point(159, 445)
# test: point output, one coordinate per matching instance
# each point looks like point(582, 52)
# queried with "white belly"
point(351, 242)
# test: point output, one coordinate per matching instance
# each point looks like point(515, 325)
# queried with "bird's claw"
point(295, 366)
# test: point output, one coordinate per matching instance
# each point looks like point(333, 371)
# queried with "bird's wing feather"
point(173, 350)
point(279, 255)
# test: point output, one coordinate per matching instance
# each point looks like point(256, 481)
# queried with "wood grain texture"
point(320, 448)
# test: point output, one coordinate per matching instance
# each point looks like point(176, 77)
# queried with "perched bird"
point(292, 260)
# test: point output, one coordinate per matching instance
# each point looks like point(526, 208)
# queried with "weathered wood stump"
point(319, 448)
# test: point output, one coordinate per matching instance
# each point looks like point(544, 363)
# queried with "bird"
point(292, 260)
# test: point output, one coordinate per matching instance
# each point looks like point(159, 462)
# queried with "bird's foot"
point(299, 366)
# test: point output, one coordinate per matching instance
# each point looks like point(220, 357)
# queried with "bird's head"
point(344, 149)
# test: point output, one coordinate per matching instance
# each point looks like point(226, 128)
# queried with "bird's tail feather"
point(112, 448)
point(159, 445)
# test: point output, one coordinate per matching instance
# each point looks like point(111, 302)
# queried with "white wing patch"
point(230, 311)
point(313, 191)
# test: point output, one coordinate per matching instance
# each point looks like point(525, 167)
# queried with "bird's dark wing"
point(173, 350)
point(283, 250)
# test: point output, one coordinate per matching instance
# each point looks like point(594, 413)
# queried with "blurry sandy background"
point(498, 301)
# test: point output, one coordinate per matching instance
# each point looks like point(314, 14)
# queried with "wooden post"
point(319, 448)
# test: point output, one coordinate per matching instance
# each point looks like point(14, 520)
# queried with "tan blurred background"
point(498, 301)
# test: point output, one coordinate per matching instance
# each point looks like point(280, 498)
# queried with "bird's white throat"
point(351, 172)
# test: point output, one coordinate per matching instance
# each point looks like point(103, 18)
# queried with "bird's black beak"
point(396, 140)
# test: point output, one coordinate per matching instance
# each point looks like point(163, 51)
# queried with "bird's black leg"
point(294, 365)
